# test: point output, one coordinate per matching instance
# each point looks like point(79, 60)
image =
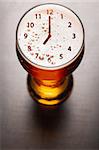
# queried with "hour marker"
point(49, 11)
point(38, 16)
point(61, 16)
point(25, 35)
point(74, 36)
point(29, 48)
point(61, 56)
point(69, 24)
point(30, 24)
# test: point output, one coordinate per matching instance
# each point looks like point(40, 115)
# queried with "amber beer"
point(48, 86)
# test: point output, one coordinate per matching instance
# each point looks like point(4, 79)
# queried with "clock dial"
point(49, 36)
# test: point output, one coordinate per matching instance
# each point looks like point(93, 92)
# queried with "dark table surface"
point(25, 125)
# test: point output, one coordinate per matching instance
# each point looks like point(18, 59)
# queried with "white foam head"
point(66, 39)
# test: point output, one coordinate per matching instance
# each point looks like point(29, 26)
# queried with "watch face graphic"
point(50, 36)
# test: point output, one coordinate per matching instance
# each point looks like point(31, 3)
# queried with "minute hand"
point(50, 25)
point(49, 31)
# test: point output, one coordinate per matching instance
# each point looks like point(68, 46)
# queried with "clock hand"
point(49, 31)
point(49, 25)
point(47, 39)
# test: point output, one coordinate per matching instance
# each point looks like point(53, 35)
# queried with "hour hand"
point(47, 39)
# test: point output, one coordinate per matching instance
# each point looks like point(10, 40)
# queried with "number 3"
point(74, 36)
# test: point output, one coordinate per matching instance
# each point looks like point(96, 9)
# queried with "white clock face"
point(50, 36)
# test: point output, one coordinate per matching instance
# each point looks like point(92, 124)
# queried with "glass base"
point(50, 92)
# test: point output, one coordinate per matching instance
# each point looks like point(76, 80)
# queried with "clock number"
point(61, 56)
point(41, 57)
point(29, 48)
point(61, 16)
point(69, 24)
point(74, 36)
point(30, 25)
point(25, 35)
point(36, 55)
point(38, 16)
point(50, 11)
point(49, 59)
point(69, 48)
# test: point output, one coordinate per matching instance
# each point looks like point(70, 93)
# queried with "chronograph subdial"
point(50, 46)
